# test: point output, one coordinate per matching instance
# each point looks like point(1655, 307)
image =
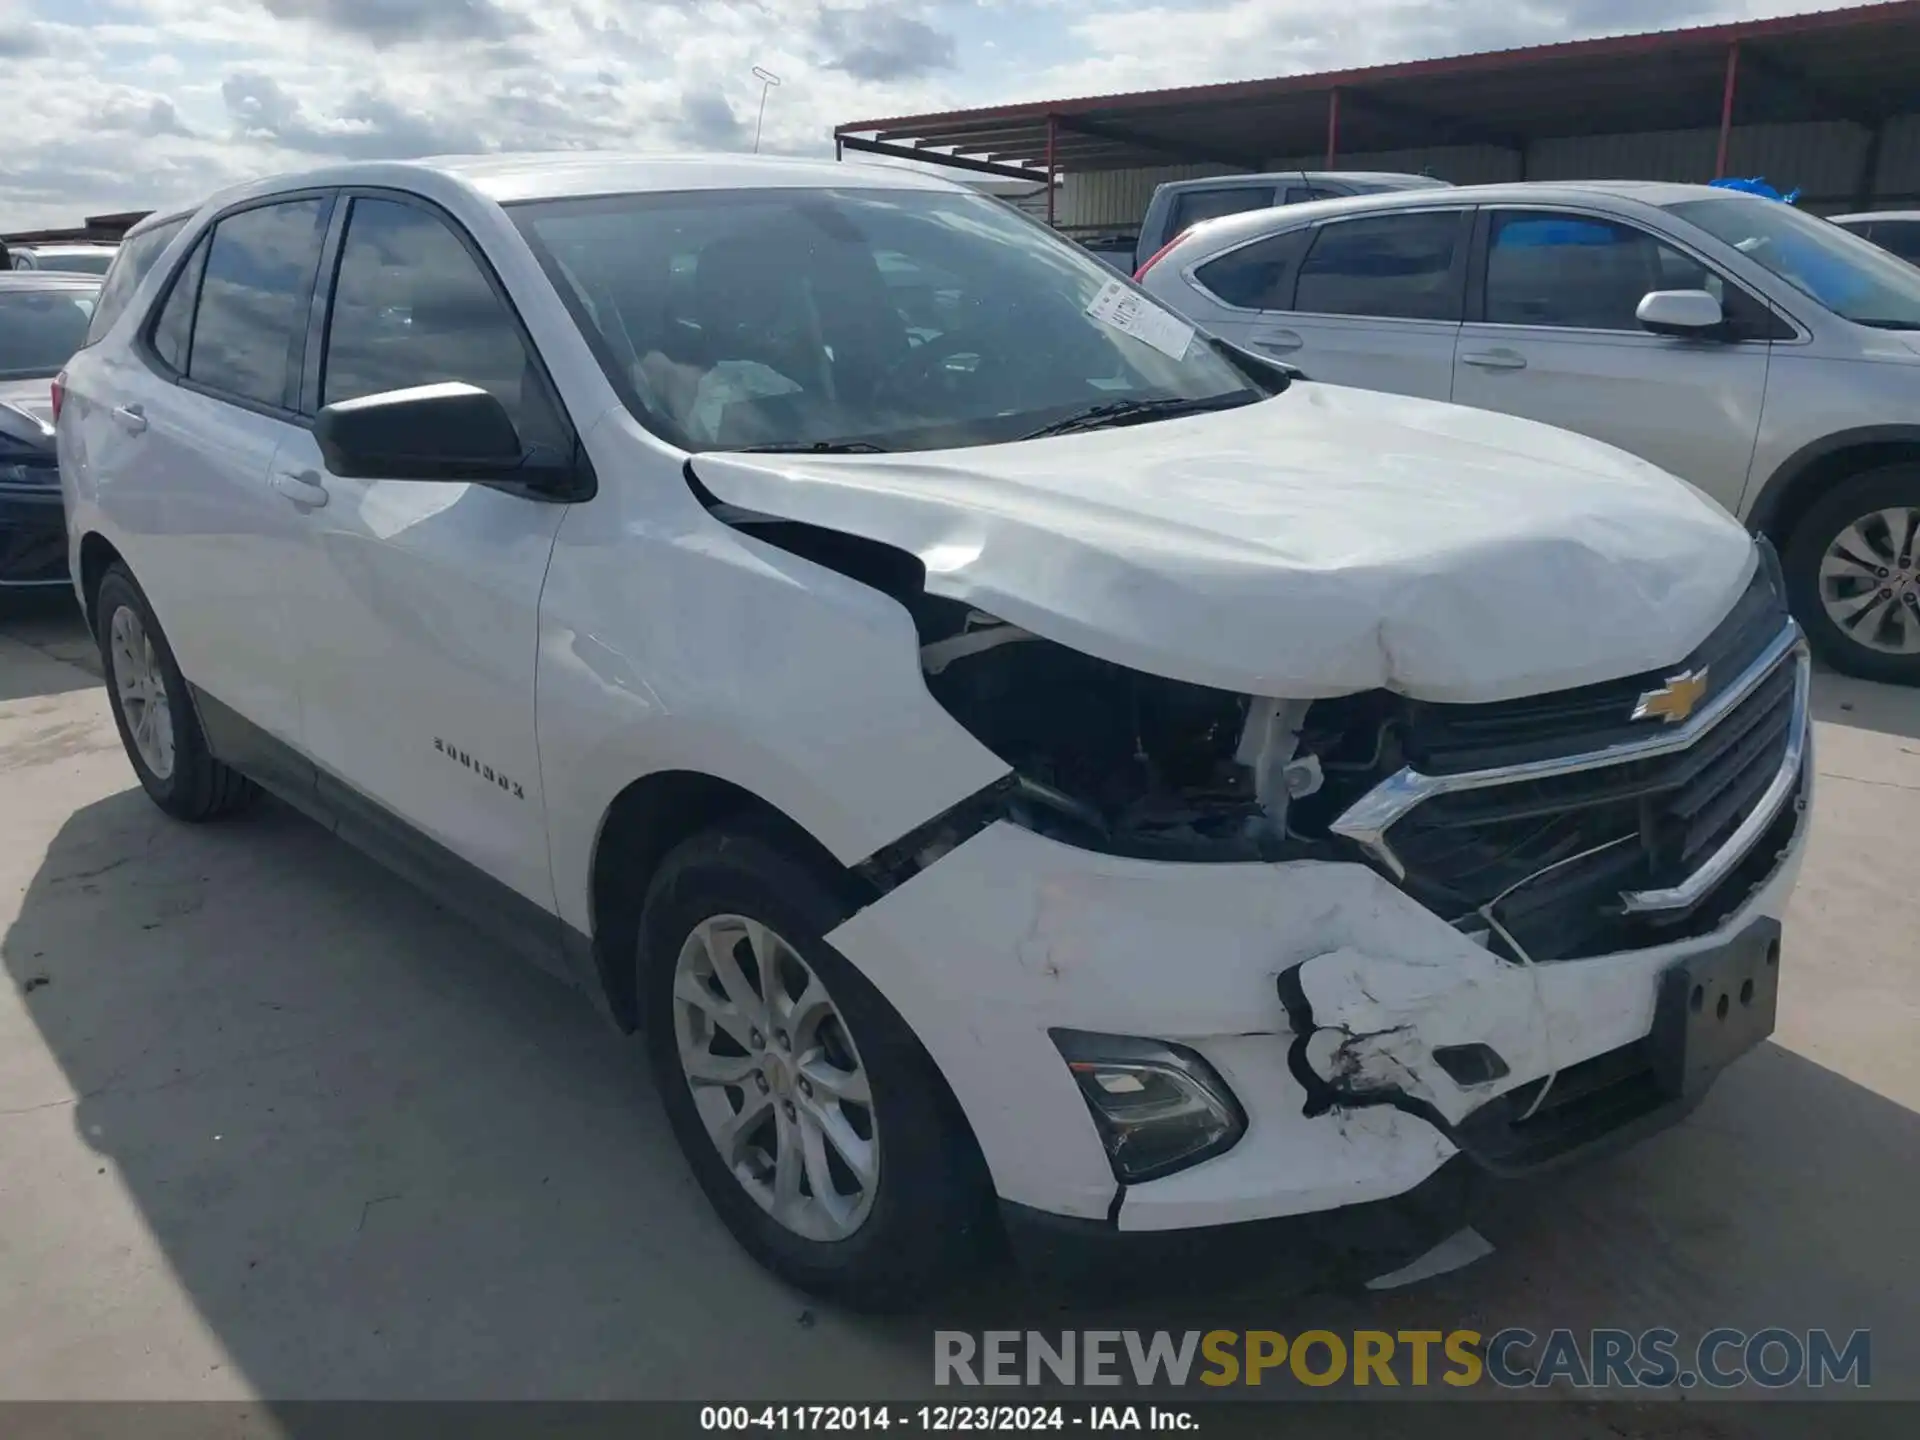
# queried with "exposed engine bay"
point(1145, 766)
point(1109, 757)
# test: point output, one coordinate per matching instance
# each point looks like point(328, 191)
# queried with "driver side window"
point(411, 306)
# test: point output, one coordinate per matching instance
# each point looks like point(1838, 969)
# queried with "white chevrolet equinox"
point(1031, 771)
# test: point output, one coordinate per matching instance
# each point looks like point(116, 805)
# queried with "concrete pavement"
point(272, 1124)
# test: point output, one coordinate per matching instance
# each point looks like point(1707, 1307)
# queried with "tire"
point(928, 1211)
point(1857, 499)
point(185, 781)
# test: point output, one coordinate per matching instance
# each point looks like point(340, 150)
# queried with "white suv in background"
point(1021, 763)
point(1763, 354)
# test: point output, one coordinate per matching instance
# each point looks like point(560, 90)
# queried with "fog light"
point(1158, 1107)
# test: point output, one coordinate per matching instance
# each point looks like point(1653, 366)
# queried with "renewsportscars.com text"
point(1514, 1358)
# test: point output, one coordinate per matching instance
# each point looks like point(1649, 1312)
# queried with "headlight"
point(1158, 1107)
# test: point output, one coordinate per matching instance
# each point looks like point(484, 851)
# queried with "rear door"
point(178, 431)
point(1375, 301)
point(1553, 336)
point(418, 600)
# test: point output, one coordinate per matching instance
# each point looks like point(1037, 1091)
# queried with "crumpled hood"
point(1324, 542)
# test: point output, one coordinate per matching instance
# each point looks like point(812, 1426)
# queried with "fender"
point(1777, 505)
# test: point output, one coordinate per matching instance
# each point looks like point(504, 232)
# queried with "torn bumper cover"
point(1368, 1041)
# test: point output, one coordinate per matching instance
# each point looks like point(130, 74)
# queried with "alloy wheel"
point(1870, 581)
point(776, 1078)
point(138, 682)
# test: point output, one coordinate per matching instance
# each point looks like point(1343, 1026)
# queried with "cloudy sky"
point(125, 104)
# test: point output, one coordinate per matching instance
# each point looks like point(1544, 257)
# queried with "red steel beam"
point(1726, 108)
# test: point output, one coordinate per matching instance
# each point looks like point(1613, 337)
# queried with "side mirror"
point(450, 431)
point(1688, 313)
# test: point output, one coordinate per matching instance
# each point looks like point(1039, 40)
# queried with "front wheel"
point(812, 1118)
point(1853, 575)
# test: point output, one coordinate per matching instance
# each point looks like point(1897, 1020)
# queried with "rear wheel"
point(155, 713)
point(1853, 573)
point(812, 1118)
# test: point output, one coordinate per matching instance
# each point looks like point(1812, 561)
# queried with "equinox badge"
point(1673, 701)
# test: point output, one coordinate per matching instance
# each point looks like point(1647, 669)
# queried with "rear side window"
point(411, 306)
point(130, 266)
point(1259, 276)
point(173, 330)
point(1393, 266)
point(252, 313)
point(1190, 207)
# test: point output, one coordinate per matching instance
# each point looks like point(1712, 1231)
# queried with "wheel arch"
point(97, 556)
point(641, 826)
point(1799, 481)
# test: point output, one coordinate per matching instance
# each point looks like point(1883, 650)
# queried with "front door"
point(420, 599)
point(1555, 338)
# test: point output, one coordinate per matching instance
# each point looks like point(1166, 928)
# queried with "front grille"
point(1550, 858)
point(1453, 739)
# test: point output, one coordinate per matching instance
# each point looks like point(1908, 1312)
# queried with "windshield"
point(40, 330)
point(1853, 278)
point(880, 319)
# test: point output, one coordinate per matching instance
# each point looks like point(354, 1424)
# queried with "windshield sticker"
point(1131, 313)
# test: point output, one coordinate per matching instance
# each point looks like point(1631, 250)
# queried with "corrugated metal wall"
point(1823, 161)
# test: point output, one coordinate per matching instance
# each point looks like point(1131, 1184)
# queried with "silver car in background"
point(71, 259)
point(1766, 355)
point(1894, 230)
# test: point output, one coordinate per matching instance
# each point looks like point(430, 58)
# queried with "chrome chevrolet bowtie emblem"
point(1673, 701)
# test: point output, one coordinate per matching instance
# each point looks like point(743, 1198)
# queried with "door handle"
point(1494, 359)
point(1278, 341)
point(302, 487)
point(131, 418)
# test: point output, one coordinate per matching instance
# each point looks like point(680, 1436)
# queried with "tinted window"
point(412, 307)
point(93, 263)
point(40, 330)
point(1257, 276)
point(1300, 194)
point(1190, 207)
point(1398, 266)
point(1572, 270)
point(130, 267)
point(253, 299)
point(909, 319)
point(173, 330)
point(1902, 237)
point(1578, 272)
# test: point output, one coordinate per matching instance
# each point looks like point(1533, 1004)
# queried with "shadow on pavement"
point(1890, 709)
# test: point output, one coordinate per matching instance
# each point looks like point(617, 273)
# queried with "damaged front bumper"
point(1369, 1042)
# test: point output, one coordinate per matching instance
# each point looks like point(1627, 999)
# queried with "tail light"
point(1155, 258)
point(59, 392)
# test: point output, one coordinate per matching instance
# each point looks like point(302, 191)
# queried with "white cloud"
point(122, 104)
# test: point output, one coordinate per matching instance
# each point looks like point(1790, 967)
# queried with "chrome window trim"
point(1368, 819)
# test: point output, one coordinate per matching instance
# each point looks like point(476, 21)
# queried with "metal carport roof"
point(1860, 65)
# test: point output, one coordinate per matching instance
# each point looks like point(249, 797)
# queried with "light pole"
point(767, 81)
